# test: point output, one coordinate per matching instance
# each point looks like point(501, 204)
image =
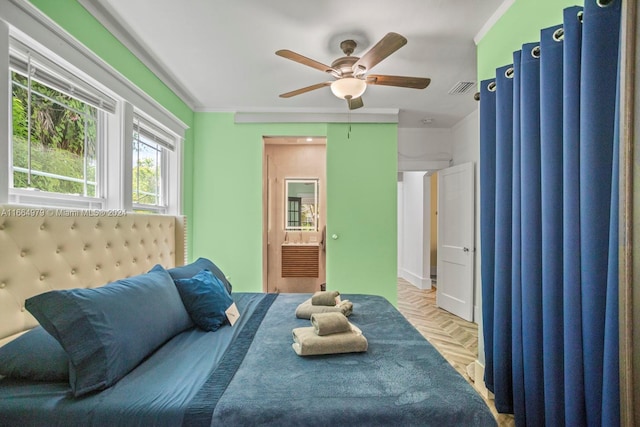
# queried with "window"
point(294, 211)
point(56, 120)
point(54, 139)
point(151, 146)
point(77, 134)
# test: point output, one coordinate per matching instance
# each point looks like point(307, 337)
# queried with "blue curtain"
point(549, 224)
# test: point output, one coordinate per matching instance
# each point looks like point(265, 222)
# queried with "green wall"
point(227, 188)
point(72, 17)
point(361, 201)
point(223, 178)
point(362, 209)
point(520, 24)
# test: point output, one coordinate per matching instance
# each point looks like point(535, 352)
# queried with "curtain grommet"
point(558, 35)
point(509, 72)
point(604, 3)
point(491, 87)
point(535, 52)
point(580, 16)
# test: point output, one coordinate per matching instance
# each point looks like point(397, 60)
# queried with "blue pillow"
point(108, 331)
point(34, 355)
point(206, 299)
point(190, 270)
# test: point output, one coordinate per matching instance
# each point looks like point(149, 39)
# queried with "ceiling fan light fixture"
point(348, 88)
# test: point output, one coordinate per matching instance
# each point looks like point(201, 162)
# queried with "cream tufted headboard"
point(42, 249)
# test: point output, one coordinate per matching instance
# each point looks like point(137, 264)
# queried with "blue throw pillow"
point(206, 299)
point(108, 331)
point(34, 355)
point(190, 270)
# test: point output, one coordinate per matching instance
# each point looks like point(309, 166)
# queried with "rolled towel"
point(330, 323)
point(307, 343)
point(325, 298)
point(306, 309)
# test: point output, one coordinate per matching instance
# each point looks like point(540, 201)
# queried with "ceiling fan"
point(350, 72)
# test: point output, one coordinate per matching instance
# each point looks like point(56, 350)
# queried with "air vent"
point(462, 87)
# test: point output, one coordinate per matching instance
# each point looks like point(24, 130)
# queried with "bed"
point(246, 374)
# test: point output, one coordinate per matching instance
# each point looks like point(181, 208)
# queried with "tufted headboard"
point(42, 249)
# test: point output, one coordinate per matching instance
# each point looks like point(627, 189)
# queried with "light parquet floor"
point(455, 338)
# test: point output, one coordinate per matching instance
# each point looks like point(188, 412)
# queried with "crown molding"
point(495, 17)
point(25, 20)
point(381, 115)
point(99, 10)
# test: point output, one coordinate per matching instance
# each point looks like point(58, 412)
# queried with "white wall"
point(415, 236)
point(419, 150)
point(423, 149)
point(428, 149)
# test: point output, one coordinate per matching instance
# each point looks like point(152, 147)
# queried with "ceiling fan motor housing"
point(345, 65)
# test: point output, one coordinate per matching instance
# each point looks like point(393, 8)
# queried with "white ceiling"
point(220, 55)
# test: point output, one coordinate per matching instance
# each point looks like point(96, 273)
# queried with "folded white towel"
point(325, 298)
point(308, 343)
point(330, 323)
point(306, 309)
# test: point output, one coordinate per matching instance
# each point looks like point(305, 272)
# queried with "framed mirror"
point(301, 204)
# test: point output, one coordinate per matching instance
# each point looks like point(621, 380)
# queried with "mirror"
point(301, 204)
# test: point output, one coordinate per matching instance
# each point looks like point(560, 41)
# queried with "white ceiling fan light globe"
point(348, 88)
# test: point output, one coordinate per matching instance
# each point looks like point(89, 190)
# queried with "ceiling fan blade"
point(400, 81)
point(285, 53)
point(355, 103)
point(385, 47)
point(304, 89)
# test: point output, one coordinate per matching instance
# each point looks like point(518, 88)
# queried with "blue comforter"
point(249, 375)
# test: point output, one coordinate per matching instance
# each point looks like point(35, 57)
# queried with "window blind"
point(27, 60)
point(153, 132)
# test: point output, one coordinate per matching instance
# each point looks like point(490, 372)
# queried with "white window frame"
point(167, 142)
point(29, 196)
point(21, 20)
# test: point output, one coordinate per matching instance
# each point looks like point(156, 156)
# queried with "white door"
point(456, 240)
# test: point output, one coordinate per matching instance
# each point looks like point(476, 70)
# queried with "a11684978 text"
point(58, 212)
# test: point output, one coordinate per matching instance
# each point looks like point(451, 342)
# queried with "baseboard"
point(478, 382)
point(415, 280)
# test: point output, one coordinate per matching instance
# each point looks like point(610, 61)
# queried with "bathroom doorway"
point(294, 213)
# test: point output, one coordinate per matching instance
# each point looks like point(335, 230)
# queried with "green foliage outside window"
point(46, 159)
point(60, 125)
point(144, 182)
